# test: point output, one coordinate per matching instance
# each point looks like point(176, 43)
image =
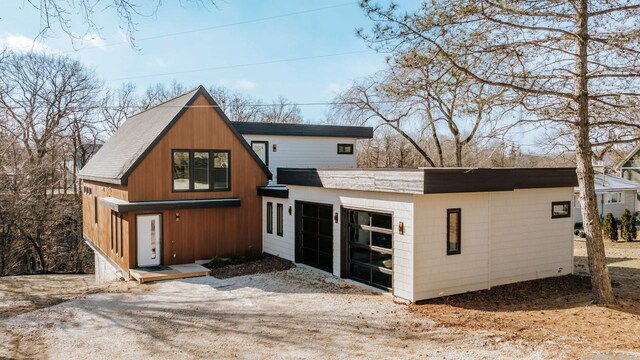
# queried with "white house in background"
point(614, 195)
point(424, 233)
point(303, 145)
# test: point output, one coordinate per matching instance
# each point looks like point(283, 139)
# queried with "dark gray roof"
point(120, 155)
point(260, 128)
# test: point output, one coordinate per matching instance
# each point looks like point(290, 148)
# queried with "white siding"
point(506, 237)
point(616, 209)
point(401, 205)
point(306, 152)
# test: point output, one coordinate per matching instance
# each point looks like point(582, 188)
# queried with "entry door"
point(149, 239)
point(314, 235)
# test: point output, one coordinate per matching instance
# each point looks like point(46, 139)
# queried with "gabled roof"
point(260, 128)
point(608, 182)
point(628, 157)
point(128, 146)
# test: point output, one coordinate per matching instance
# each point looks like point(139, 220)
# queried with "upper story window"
point(261, 148)
point(345, 149)
point(614, 198)
point(201, 170)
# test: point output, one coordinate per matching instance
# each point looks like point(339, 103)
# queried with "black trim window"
point(560, 209)
point(117, 242)
point(201, 170)
point(269, 218)
point(454, 229)
point(261, 148)
point(95, 210)
point(280, 224)
point(345, 149)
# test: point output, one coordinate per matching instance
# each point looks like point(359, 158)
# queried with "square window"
point(560, 209)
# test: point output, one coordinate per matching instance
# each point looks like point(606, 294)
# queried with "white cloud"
point(245, 84)
point(20, 43)
point(94, 41)
point(336, 88)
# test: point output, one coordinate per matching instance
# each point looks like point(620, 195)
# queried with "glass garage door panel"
point(370, 244)
point(315, 243)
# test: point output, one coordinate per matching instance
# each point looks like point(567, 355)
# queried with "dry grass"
point(557, 314)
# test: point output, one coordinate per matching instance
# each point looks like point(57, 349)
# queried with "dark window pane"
point(381, 220)
point(360, 272)
point(381, 260)
point(326, 228)
point(270, 218)
point(280, 224)
point(325, 261)
point(220, 170)
point(381, 279)
point(200, 170)
point(310, 241)
point(359, 217)
point(324, 212)
point(309, 226)
point(381, 240)
point(325, 245)
point(181, 170)
point(309, 210)
point(309, 256)
point(360, 254)
point(359, 236)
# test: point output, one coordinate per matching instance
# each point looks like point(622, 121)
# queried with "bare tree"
point(281, 111)
point(237, 106)
point(572, 65)
point(117, 105)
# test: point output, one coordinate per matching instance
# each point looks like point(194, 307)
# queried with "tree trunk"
point(602, 290)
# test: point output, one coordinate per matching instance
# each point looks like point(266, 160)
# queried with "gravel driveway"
point(293, 314)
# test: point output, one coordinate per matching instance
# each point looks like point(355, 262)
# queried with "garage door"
point(369, 242)
point(314, 235)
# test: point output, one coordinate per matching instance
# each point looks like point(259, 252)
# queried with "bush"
point(576, 232)
point(610, 227)
point(628, 226)
point(583, 234)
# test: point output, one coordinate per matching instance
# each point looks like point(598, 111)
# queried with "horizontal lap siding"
point(400, 205)
point(615, 209)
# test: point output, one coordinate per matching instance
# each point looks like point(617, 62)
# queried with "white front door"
point(149, 238)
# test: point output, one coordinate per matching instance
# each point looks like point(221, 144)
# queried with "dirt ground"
point(268, 263)
point(554, 314)
point(293, 314)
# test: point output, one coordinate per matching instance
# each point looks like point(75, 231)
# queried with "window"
point(261, 148)
point(95, 210)
point(269, 218)
point(345, 149)
point(614, 198)
point(453, 231)
point(280, 225)
point(201, 170)
point(560, 209)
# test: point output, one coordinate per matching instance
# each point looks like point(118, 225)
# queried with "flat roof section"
point(431, 180)
point(260, 128)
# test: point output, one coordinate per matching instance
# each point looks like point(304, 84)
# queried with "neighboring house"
point(614, 195)
point(417, 233)
point(629, 168)
point(301, 145)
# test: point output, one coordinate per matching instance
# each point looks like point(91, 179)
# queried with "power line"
point(209, 28)
point(242, 65)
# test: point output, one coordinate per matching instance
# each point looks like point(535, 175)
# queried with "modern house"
point(615, 194)
point(179, 183)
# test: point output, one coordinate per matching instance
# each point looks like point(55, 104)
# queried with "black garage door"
point(314, 235)
point(368, 240)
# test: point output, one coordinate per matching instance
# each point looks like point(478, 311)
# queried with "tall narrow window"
point(221, 170)
point(153, 239)
point(121, 238)
point(261, 148)
point(201, 171)
point(269, 218)
point(114, 232)
point(181, 171)
point(95, 210)
point(453, 231)
point(118, 249)
point(280, 226)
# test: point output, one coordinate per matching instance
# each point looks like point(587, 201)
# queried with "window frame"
point(266, 150)
point(352, 146)
point(269, 217)
point(95, 210)
point(459, 232)
point(607, 199)
point(212, 153)
point(562, 216)
point(280, 220)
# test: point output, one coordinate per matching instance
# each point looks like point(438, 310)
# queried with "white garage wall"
point(305, 152)
point(400, 205)
point(506, 237)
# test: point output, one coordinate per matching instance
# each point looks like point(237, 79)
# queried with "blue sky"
point(317, 33)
